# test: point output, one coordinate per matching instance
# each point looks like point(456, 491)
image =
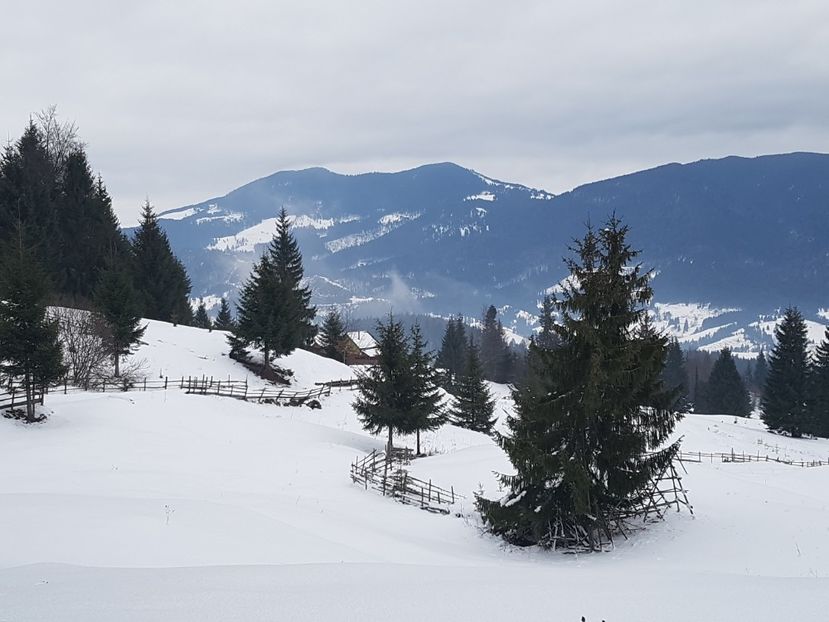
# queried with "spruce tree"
point(201, 319)
point(675, 374)
point(332, 335)
point(546, 338)
point(725, 392)
point(588, 434)
point(29, 343)
point(761, 371)
point(426, 411)
point(274, 310)
point(473, 407)
point(159, 276)
point(385, 390)
point(224, 320)
point(116, 299)
point(818, 390)
point(493, 347)
point(785, 393)
point(453, 352)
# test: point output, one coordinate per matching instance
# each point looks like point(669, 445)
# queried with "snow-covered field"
point(166, 506)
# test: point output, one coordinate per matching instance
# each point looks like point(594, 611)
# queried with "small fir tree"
point(725, 392)
point(761, 372)
point(426, 410)
point(785, 393)
point(473, 407)
point(201, 319)
point(29, 343)
point(224, 320)
point(494, 351)
point(385, 390)
point(332, 335)
point(588, 433)
point(118, 303)
point(546, 338)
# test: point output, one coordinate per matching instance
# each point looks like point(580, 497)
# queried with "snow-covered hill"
point(166, 506)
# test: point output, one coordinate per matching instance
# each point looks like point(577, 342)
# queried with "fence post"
point(145, 384)
point(104, 387)
point(165, 383)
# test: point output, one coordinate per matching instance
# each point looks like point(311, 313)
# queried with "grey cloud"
point(183, 101)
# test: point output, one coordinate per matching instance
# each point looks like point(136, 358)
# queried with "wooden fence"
point(702, 456)
point(391, 479)
point(194, 385)
point(16, 397)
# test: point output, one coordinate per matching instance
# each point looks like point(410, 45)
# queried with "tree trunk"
point(117, 366)
point(266, 352)
point(389, 446)
point(30, 406)
point(418, 443)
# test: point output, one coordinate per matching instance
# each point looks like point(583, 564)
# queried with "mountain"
point(731, 241)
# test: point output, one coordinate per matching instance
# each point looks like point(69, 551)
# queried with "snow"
point(179, 215)
point(165, 506)
point(246, 240)
point(815, 331)
point(398, 217)
point(483, 196)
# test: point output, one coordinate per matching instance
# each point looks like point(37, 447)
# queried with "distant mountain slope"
point(750, 234)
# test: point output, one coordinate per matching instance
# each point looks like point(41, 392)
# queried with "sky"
point(183, 101)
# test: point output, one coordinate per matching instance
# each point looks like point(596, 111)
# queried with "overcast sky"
point(183, 101)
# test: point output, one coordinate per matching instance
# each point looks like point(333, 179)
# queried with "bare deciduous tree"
point(83, 334)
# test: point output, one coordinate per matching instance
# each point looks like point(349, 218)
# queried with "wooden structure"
point(387, 476)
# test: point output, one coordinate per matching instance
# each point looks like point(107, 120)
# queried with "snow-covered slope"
point(166, 506)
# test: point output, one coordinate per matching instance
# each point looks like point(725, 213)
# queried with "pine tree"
point(118, 302)
point(453, 352)
point(385, 390)
point(785, 393)
point(818, 388)
point(31, 350)
point(332, 335)
point(675, 374)
point(274, 310)
point(473, 407)
point(160, 278)
point(493, 347)
point(761, 372)
point(588, 433)
point(224, 320)
point(725, 392)
point(294, 313)
point(426, 411)
point(546, 338)
point(201, 319)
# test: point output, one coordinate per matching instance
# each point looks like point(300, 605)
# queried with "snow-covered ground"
point(166, 506)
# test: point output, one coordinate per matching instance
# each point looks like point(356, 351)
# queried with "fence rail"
point(702, 456)
point(376, 471)
point(16, 397)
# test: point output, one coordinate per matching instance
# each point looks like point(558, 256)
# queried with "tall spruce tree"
point(473, 407)
point(224, 320)
point(118, 302)
point(426, 409)
point(201, 319)
point(30, 349)
point(725, 392)
point(784, 402)
point(818, 392)
point(590, 432)
point(453, 352)
point(274, 310)
point(385, 390)
point(333, 335)
point(159, 276)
